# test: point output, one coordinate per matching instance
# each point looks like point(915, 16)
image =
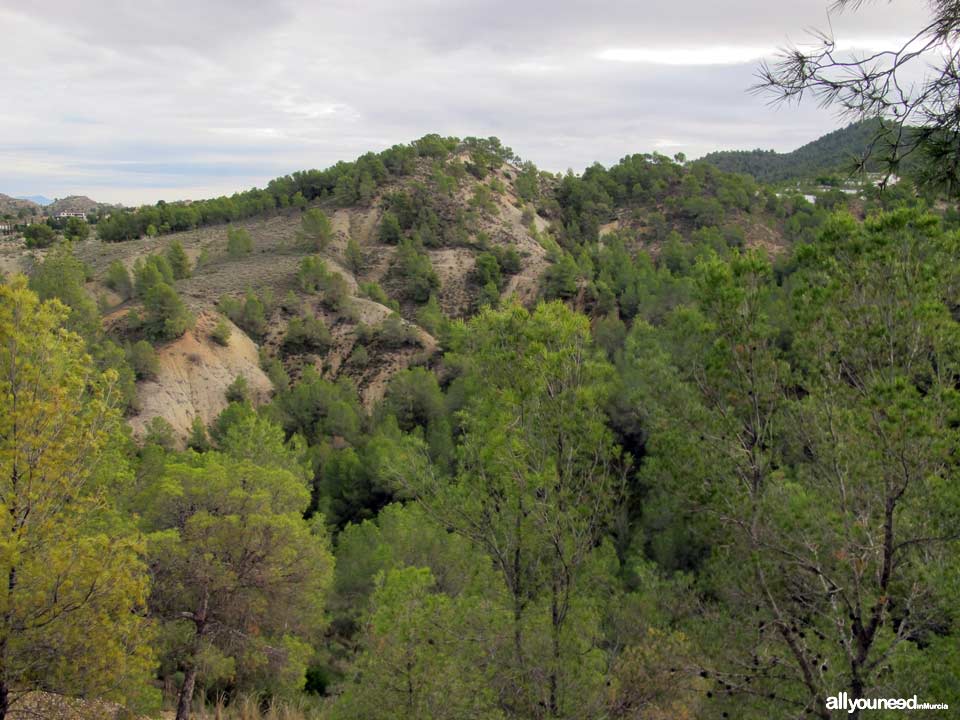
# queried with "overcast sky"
point(167, 99)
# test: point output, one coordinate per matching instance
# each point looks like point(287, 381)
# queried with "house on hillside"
point(65, 215)
point(5, 227)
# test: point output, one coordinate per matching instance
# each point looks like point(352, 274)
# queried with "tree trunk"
point(4, 700)
point(190, 678)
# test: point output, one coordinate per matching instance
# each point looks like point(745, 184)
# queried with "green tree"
point(316, 229)
point(179, 262)
point(354, 256)
point(39, 235)
point(536, 487)
point(118, 279)
point(167, 318)
point(414, 664)
point(239, 243)
point(76, 230)
point(240, 578)
point(74, 584)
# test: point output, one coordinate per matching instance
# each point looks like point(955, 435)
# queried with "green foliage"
point(149, 272)
point(313, 277)
point(390, 231)
point(250, 313)
point(198, 439)
point(166, 316)
point(238, 391)
point(118, 280)
point(143, 359)
point(239, 243)
point(415, 270)
point(76, 230)
point(179, 262)
point(316, 229)
point(354, 256)
point(221, 332)
point(306, 334)
point(74, 581)
point(216, 521)
point(39, 235)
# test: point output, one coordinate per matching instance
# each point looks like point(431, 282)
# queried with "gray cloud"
point(165, 99)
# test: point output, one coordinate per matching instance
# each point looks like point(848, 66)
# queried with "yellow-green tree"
point(72, 584)
point(240, 578)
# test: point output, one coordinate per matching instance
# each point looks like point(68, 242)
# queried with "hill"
point(72, 203)
point(417, 236)
point(18, 208)
point(836, 153)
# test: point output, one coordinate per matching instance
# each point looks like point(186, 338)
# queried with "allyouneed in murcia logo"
point(843, 701)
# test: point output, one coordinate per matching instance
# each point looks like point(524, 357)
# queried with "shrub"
point(39, 235)
point(250, 314)
point(395, 332)
point(198, 439)
point(150, 272)
point(314, 277)
point(315, 228)
point(390, 231)
point(118, 279)
point(238, 391)
point(221, 332)
point(354, 256)
point(143, 359)
point(416, 271)
point(307, 334)
point(179, 262)
point(166, 316)
point(359, 357)
point(239, 243)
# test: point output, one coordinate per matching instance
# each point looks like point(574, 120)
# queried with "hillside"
point(438, 414)
point(17, 208)
point(836, 153)
point(417, 237)
point(72, 203)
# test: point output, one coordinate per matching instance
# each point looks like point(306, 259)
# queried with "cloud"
point(135, 102)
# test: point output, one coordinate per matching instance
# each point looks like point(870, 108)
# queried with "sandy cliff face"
point(194, 375)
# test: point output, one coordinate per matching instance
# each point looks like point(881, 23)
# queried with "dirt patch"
point(194, 375)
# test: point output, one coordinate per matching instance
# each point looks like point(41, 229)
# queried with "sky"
point(134, 102)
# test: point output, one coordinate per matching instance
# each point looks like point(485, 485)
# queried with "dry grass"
point(251, 707)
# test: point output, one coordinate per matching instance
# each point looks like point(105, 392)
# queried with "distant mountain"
point(833, 154)
point(38, 199)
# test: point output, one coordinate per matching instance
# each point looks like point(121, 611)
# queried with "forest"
point(690, 479)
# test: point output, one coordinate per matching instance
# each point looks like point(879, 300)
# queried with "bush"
point(390, 231)
point(315, 228)
point(166, 316)
point(221, 333)
point(150, 272)
point(118, 279)
point(179, 262)
point(39, 235)
point(238, 391)
point(306, 335)
point(394, 333)
point(360, 356)
point(354, 256)
point(239, 243)
point(250, 314)
point(314, 277)
point(198, 439)
point(143, 359)
point(416, 271)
